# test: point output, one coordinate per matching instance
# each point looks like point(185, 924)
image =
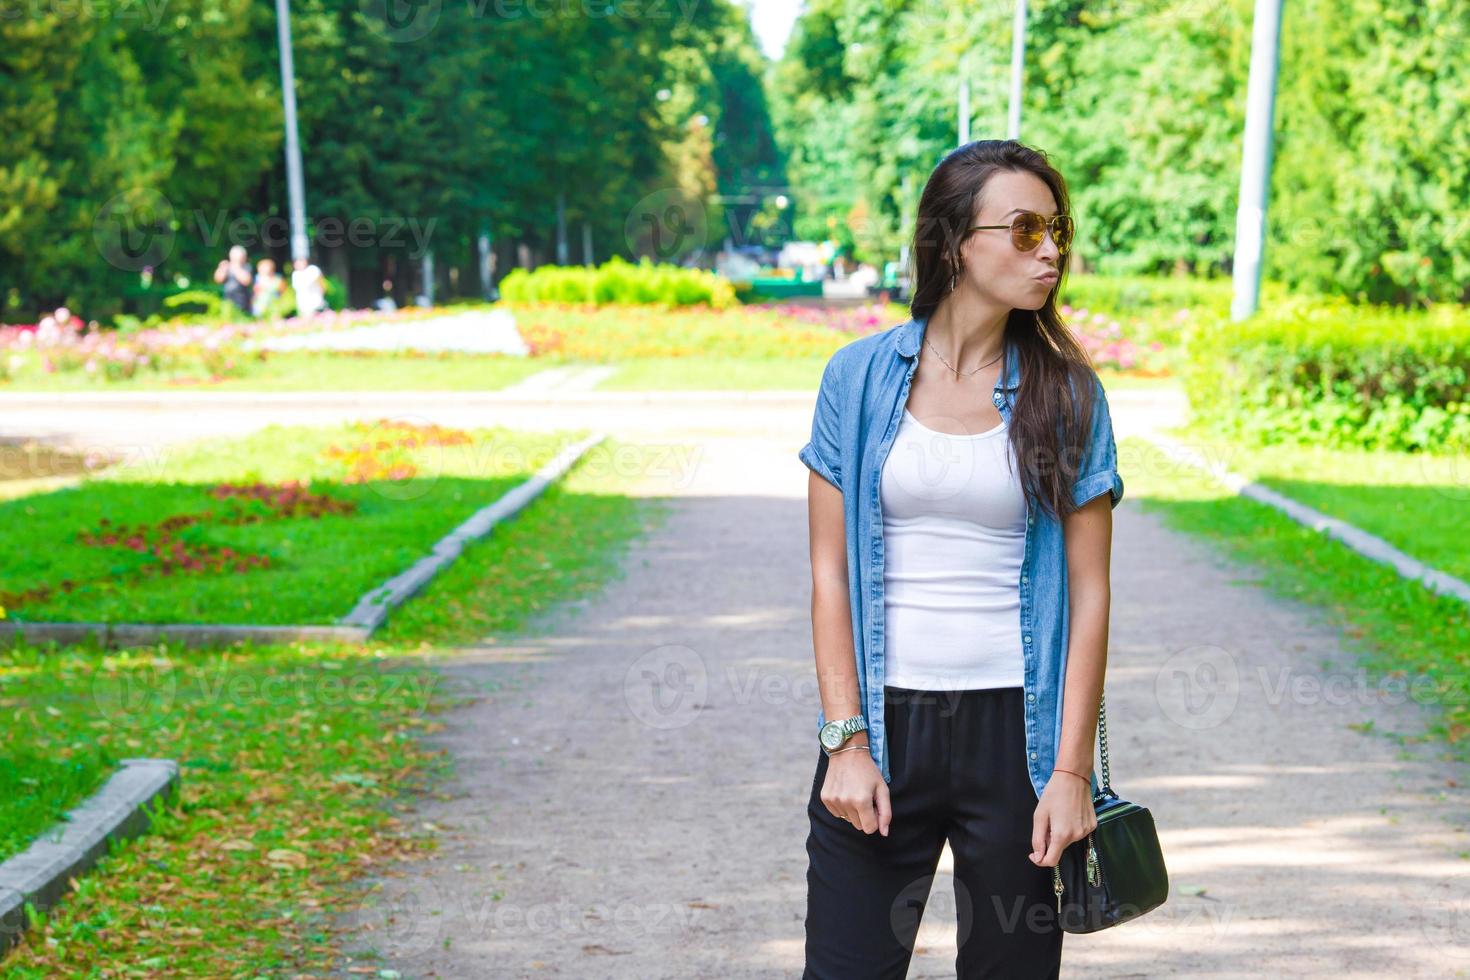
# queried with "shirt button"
point(1033, 755)
point(1028, 637)
point(1024, 580)
point(1030, 697)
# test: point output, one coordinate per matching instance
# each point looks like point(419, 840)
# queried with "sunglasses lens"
point(1063, 233)
point(1027, 230)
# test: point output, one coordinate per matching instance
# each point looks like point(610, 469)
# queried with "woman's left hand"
point(1063, 814)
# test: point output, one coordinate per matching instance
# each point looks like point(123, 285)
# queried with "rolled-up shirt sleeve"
point(1099, 470)
point(822, 452)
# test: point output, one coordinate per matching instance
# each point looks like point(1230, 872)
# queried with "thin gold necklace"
point(967, 373)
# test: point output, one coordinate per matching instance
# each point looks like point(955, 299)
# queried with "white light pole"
point(964, 106)
point(1255, 167)
point(1018, 70)
point(295, 190)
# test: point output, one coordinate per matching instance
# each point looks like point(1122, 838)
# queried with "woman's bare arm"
point(831, 604)
point(1065, 812)
point(1090, 595)
point(1089, 544)
point(854, 788)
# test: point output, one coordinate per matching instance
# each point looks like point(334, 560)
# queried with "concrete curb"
point(373, 608)
point(1365, 544)
point(41, 875)
point(113, 635)
point(358, 625)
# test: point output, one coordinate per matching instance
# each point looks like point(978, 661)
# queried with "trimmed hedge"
point(621, 283)
point(1335, 374)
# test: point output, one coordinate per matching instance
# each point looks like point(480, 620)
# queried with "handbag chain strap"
point(1102, 744)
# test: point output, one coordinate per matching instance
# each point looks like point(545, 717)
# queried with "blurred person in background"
point(234, 275)
point(309, 285)
point(268, 285)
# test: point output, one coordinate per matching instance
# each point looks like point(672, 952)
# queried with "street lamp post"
point(295, 188)
point(1018, 69)
point(1255, 169)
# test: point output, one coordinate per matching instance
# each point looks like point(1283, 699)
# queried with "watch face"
point(831, 735)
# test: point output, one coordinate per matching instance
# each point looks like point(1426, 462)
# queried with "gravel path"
point(631, 787)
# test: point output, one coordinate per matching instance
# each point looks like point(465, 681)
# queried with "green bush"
point(1140, 295)
point(334, 291)
point(199, 306)
point(1331, 373)
point(618, 282)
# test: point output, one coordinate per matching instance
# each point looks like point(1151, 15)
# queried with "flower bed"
point(288, 525)
point(180, 353)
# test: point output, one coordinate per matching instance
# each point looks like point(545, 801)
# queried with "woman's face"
point(993, 266)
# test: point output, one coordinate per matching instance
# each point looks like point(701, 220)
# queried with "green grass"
point(289, 758)
point(1419, 503)
point(1397, 628)
point(319, 565)
point(297, 759)
point(40, 788)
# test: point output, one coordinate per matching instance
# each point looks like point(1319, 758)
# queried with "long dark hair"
point(1052, 417)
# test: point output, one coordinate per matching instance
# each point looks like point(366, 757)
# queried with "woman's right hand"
point(854, 791)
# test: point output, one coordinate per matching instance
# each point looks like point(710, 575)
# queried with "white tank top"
point(954, 537)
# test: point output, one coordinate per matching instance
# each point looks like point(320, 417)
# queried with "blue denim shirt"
point(864, 389)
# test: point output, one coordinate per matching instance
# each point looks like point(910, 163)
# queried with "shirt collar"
point(907, 337)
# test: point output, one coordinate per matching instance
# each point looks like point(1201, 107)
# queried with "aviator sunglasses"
point(1028, 229)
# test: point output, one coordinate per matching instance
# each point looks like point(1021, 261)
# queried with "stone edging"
point(369, 613)
point(188, 634)
point(1365, 544)
point(372, 609)
point(41, 875)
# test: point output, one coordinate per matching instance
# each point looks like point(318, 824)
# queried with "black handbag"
point(1115, 873)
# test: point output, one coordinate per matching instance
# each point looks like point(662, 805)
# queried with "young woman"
point(963, 478)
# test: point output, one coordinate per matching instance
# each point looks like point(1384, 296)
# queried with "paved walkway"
point(630, 799)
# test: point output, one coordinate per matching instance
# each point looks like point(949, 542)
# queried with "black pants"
point(957, 761)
